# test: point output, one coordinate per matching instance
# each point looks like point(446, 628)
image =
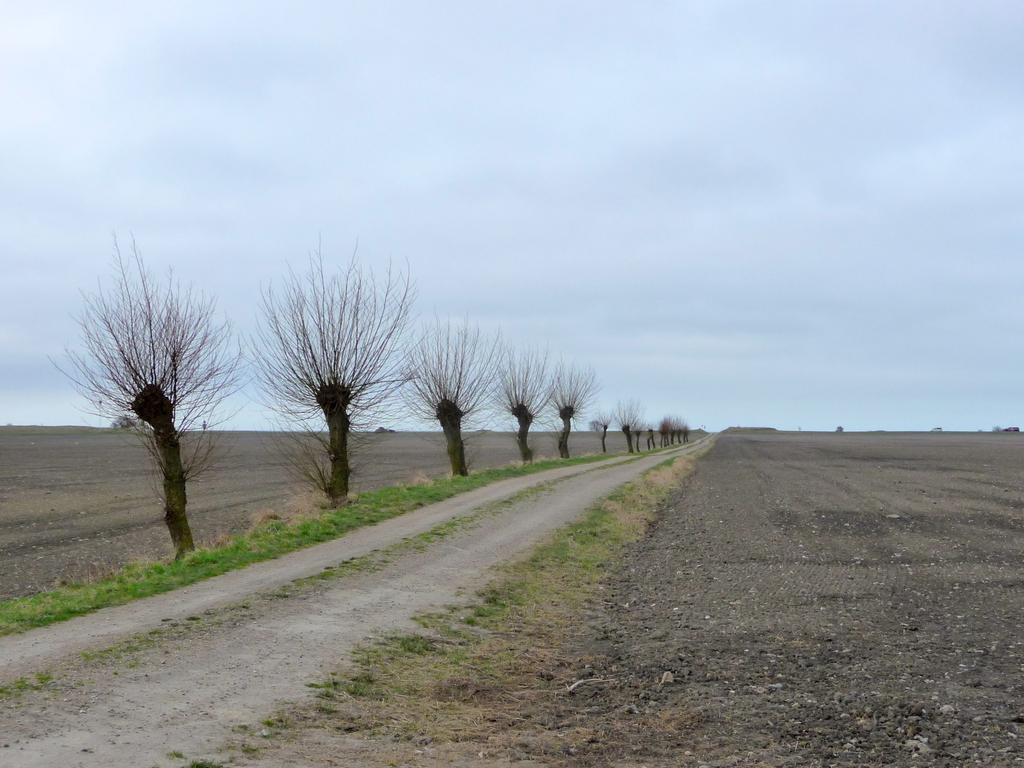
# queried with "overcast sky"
point(789, 214)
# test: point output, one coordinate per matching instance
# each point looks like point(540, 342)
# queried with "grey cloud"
point(798, 213)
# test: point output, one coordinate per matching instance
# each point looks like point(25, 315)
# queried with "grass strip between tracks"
point(488, 672)
point(267, 541)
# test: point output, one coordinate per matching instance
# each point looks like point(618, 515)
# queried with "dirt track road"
point(828, 600)
point(183, 689)
point(75, 502)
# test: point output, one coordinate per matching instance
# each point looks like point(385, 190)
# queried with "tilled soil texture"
point(76, 503)
point(821, 600)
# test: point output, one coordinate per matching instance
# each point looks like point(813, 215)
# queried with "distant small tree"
point(600, 424)
point(572, 390)
point(329, 354)
point(523, 391)
point(627, 416)
point(451, 372)
point(125, 421)
point(156, 353)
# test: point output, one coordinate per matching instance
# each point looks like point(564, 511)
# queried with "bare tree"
point(679, 430)
point(572, 389)
point(650, 438)
point(451, 371)
point(126, 422)
point(328, 352)
point(155, 349)
point(523, 391)
point(600, 424)
point(665, 430)
point(627, 416)
point(638, 433)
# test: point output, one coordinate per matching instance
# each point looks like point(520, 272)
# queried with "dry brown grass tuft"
point(90, 572)
point(419, 477)
point(301, 504)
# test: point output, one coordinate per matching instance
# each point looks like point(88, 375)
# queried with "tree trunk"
point(563, 437)
point(604, 436)
point(153, 407)
point(175, 498)
point(456, 448)
point(525, 451)
point(629, 439)
point(636, 437)
point(450, 418)
point(525, 419)
point(337, 433)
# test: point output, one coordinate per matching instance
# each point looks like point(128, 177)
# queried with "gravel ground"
point(823, 600)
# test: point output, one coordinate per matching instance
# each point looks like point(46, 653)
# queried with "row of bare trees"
point(333, 351)
point(628, 417)
point(528, 385)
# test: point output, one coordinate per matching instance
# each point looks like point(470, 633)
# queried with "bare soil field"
point(819, 600)
point(76, 503)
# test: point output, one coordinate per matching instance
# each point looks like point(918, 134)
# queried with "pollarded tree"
point(676, 431)
point(600, 424)
point(155, 350)
point(684, 430)
point(329, 354)
point(451, 372)
point(627, 416)
point(572, 389)
point(665, 430)
point(638, 433)
point(650, 438)
point(523, 391)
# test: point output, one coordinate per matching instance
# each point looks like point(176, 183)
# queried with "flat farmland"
point(75, 503)
point(823, 600)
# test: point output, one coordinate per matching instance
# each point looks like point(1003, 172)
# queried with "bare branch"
point(628, 417)
point(451, 371)
point(329, 352)
point(572, 390)
point(155, 350)
point(600, 423)
point(523, 391)
point(451, 364)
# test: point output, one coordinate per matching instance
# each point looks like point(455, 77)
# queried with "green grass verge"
point(267, 541)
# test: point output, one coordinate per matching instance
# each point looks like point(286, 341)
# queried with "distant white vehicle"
point(936, 429)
